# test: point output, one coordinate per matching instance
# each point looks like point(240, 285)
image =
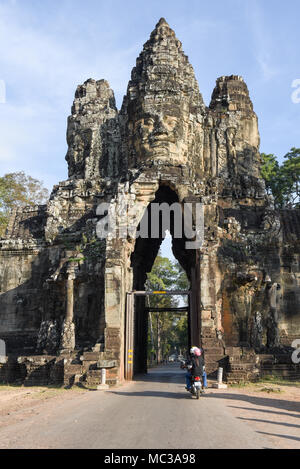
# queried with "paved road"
point(154, 411)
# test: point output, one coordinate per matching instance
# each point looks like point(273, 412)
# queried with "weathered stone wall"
point(260, 264)
point(63, 286)
point(23, 297)
point(93, 134)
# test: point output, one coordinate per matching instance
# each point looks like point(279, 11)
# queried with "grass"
point(257, 386)
point(10, 387)
point(269, 390)
point(43, 391)
point(279, 380)
point(48, 393)
point(269, 380)
point(242, 384)
point(267, 384)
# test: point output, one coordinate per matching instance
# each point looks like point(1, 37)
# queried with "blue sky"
point(48, 47)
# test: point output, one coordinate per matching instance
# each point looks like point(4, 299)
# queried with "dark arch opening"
point(142, 259)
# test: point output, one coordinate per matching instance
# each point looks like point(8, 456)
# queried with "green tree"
point(270, 172)
point(182, 282)
point(283, 181)
point(18, 190)
point(167, 330)
point(290, 175)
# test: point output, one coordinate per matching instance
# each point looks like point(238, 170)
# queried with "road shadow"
point(285, 424)
point(164, 394)
point(162, 374)
point(266, 411)
point(157, 378)
point(259, 401)
point(288, 437)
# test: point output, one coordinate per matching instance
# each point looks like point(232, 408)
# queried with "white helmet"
point(195, 351)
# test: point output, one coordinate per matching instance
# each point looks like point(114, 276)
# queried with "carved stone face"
point(162, 135)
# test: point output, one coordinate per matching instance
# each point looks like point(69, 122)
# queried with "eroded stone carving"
point(57, 277)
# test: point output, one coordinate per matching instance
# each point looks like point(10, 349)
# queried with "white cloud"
point(58, 61)
point(41, 68)
point(267, 69)
point(263, 43)
point(47, 48)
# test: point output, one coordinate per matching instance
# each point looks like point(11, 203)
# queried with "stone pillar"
point(70, 298)
point(114, 315)
point(273, 338)
point(68, 329)
point(208, 293)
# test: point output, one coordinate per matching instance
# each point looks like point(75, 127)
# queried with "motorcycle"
point(196, 386)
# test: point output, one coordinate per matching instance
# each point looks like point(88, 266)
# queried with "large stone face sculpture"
point(163, 108)
point(64, 288)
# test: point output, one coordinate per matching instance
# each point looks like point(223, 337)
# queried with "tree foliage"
point(168, 331)
point(18, 190)
point(162, 277)
point(283, 181)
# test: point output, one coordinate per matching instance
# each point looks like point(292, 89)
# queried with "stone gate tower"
point(63, 288)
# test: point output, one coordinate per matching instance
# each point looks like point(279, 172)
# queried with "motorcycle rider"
point(194, 365)
point(204, 376)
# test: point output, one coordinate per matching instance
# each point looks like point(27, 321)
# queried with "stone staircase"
point(279, 366)
point(242, 366)
point(66, 369)
point(73, 373)
point(86, 369)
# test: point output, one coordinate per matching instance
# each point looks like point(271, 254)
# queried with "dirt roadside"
point(19, 402)
point(270, 409)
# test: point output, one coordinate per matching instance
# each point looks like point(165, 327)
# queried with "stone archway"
point(129, 260)
point(142, 259)
point(135, 331)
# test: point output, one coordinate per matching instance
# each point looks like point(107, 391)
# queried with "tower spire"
point(161, 22)
point(162, 69)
